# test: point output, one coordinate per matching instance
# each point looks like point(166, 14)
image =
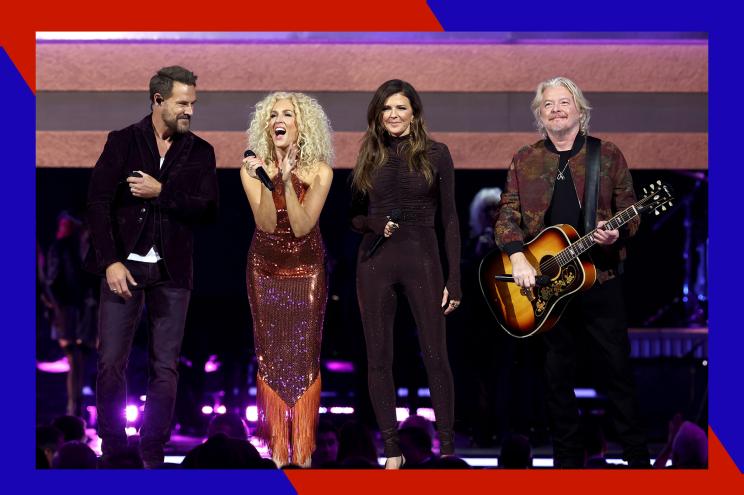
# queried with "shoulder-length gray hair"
point(486, 198)
point(582, 104)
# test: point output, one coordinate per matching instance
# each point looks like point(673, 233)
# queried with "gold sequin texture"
point(287, 291)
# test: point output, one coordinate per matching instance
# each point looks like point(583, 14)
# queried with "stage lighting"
point(251, 414)
point(131, 413)
point(425, 412)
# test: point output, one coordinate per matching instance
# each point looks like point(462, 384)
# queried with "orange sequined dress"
point(287, 291)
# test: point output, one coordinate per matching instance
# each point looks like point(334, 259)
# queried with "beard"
point(183, 124)
point(177, 125)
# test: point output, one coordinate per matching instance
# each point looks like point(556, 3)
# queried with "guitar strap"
point(591, 186)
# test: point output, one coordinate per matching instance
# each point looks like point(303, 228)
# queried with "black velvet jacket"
point(120, 222)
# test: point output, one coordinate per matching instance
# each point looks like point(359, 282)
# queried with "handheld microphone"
point(260, 172)
point(540, 280)
point(395, 217)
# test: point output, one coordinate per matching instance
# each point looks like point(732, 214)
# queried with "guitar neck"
point(585, 243)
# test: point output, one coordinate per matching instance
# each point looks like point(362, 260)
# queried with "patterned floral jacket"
point(529, 190)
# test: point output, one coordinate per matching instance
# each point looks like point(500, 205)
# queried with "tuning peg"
point(670, 204)
point(663, 208)
point(658, 181)
point(656, 212)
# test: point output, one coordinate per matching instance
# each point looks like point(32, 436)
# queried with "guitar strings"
point(550, 265)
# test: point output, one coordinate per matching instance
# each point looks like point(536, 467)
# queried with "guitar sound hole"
point(549, 267)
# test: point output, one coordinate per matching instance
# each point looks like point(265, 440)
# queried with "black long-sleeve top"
point(395, 186)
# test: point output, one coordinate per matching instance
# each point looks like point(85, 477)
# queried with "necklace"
point(560, 175)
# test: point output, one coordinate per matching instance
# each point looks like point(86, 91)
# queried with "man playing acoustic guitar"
point(571, 178)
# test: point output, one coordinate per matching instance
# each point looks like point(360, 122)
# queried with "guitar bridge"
point(528, 293)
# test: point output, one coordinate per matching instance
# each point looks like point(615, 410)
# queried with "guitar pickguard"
point(563, 284)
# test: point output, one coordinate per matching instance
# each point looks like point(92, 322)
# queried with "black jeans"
point(596, 316)
point(118, 321)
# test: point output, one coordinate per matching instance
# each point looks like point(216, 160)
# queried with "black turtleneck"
point(564, 206)
point(396, 186)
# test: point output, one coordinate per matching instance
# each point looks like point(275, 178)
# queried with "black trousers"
point(118, 321)
point(407, 263)
point(596, 317)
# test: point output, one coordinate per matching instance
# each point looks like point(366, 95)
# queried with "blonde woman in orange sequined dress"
point(291, 137)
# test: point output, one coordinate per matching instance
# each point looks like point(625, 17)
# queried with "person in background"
point(326, 445)
point(69, 293)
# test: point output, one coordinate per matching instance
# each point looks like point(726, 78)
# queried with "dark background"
point(495, 376)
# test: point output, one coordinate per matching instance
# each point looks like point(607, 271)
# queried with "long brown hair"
point(372, 153)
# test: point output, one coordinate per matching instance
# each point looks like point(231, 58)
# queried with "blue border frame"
point(726, 364)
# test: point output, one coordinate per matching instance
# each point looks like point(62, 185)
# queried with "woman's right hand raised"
point(251, 163)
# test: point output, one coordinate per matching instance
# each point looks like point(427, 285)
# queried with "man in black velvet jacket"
point(153, 182)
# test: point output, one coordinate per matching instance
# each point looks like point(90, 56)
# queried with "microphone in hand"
point(260, 172)
point(394, 217)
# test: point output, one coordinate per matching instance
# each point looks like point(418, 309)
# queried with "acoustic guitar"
point(563, 267)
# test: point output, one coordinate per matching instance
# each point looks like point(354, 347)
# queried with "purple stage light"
point(221, 410)
point(402, 392)
point(401, 413)
point(251, 414)
point(426, 412)
point(131, 413)
point(59, 366)
point(585, 393)
point(207, 410)
point(94, 441)
point(260, 446)
point(212, 364)
point(92, 415)
point(351, 38)
point(342, 410)
point(340, 366)
point(423, 392)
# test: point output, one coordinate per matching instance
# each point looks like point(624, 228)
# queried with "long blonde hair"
point(313, 131)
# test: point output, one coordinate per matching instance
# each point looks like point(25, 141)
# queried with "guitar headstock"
point(657, 196)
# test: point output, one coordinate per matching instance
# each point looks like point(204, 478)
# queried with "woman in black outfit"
point(401, 172)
